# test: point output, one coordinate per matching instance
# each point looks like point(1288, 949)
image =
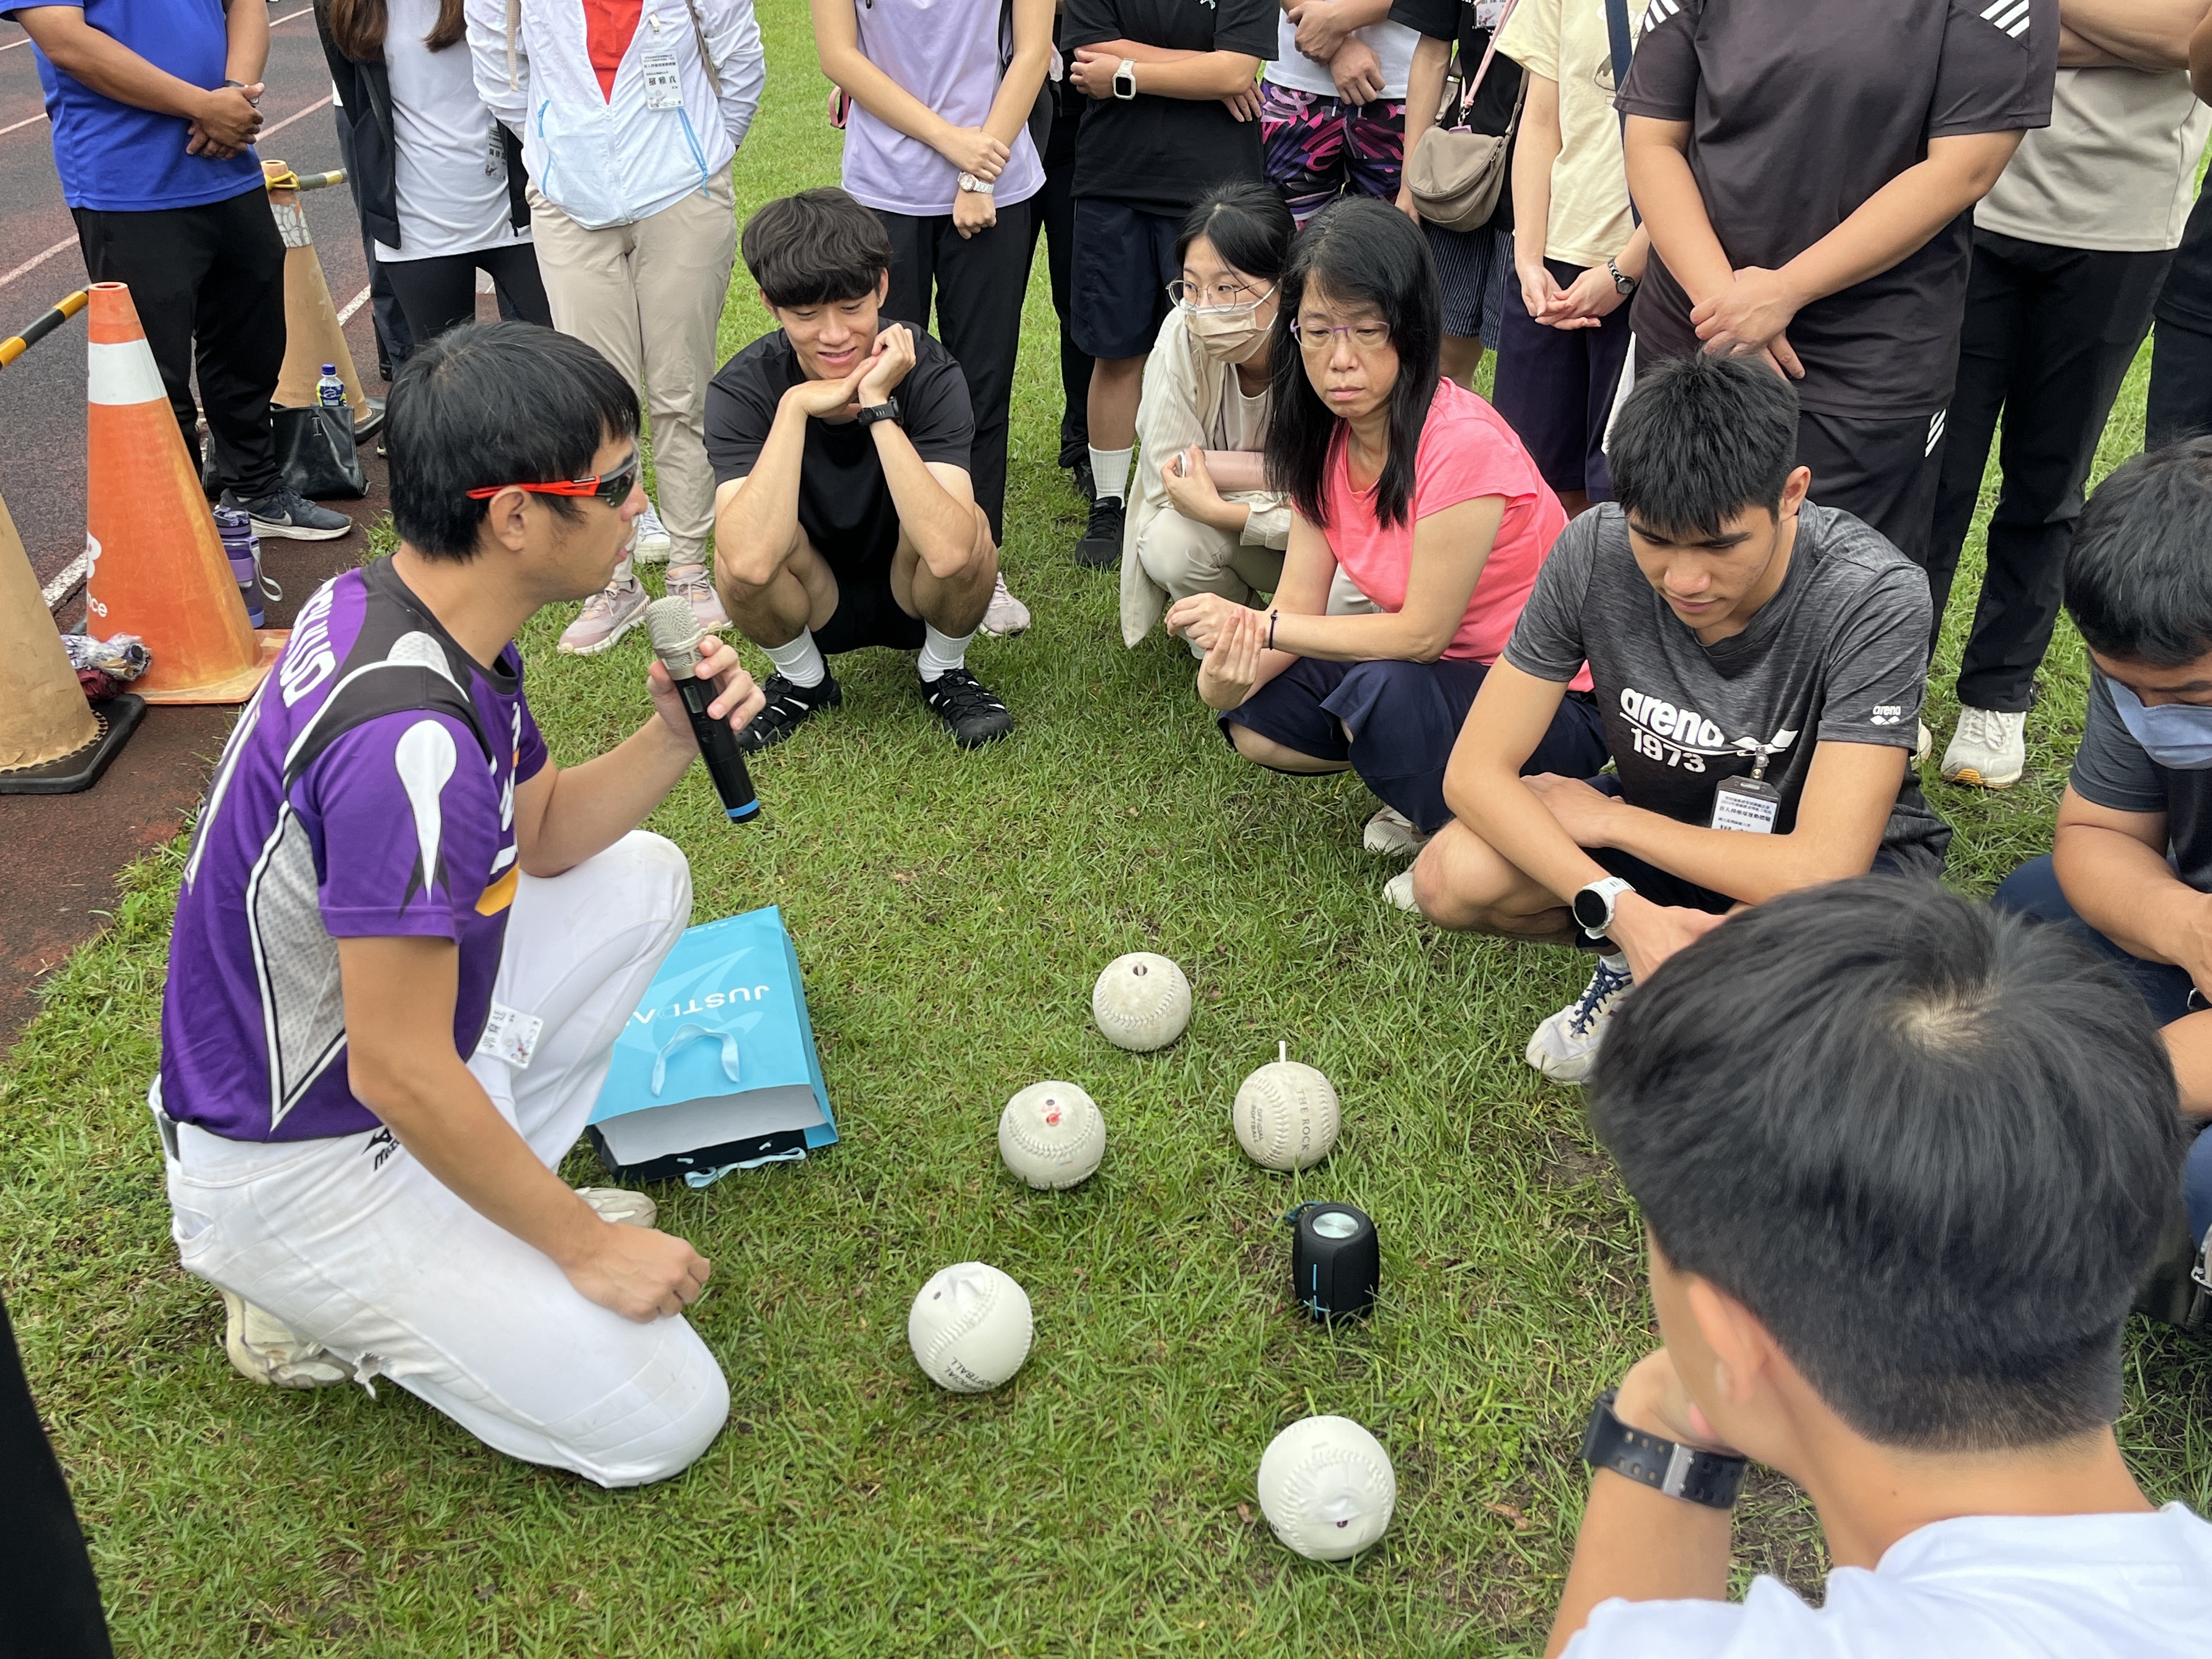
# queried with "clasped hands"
point(1750, 317)
point(225, 123)
point(1232, 636)
point(1090, 71)
point(874, 379)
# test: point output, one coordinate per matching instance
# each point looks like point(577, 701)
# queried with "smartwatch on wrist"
point(1594, 905)
point(1125, 79)
point(1623, 284)
point(1712, 1478)
point(886, 411)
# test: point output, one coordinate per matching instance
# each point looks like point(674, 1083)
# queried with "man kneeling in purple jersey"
point(407, 940)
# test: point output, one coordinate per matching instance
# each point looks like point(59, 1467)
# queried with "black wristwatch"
point(1623, 284)
point(886, 411)
point(1713, 1479)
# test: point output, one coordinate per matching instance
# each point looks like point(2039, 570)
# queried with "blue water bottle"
point(243, 549)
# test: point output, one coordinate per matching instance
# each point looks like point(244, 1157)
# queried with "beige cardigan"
point(1183, 389)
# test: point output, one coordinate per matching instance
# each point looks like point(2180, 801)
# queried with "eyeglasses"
point(1192, 297)
point(1365, 337)
point(611, 488)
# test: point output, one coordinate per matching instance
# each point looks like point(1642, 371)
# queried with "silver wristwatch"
point(970, 182)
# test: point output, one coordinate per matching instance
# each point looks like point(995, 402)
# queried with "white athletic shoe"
point(1007, 614)
point(1391, 832)
point(650, 542)
point(1923, 742)
point(1565, 1046)
point(1988, 748)
point(1398, 890)
point(621, 1206)
point(261, 1348)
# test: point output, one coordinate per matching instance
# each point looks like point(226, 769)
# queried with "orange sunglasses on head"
point(613, 487)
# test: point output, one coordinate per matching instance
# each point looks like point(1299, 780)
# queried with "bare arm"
point(1163, 72)
point(757, 517)
point(1535, 153)
point(837, 41)
point(1309, 567)
point(1449, 550)
point(1324, 25)
point(2200, 60)
point(401, 1064)
point(1025, 76)
point(2143, 35)
point(1656, 153)
point(245, 28)
point(1425, 92)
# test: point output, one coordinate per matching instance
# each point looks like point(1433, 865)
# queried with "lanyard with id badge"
point(1749, 804)
point(664, 86)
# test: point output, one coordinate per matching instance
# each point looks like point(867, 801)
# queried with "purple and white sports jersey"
point(368, 791)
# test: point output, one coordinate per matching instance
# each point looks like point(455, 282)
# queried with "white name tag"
point(664, 87)
point(1747, 804)
point(510, 1035)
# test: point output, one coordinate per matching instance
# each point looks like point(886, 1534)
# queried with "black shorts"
point(867, 612)
point(1884, 471)
point(1124, 261)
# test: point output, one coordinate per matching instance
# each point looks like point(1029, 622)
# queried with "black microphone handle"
point(718, 747)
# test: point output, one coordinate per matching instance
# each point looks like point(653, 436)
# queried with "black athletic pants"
point(2048, 338)
point(978, 282)
point(1055, 219)
point(209, 285)
point(436, 294)
point(2181, 354)
point(49, 1600)
point(393, 341)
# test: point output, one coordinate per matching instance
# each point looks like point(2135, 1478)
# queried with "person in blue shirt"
point(153, 108)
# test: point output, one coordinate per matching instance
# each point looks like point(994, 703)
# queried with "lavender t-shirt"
point(368, 791)
point(945, 53)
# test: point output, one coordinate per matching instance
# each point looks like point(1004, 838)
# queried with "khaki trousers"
point(649, 295)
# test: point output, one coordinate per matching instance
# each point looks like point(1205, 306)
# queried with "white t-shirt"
point(2116, 170)
point(1984, 1586)
point(945, 53)
point(450, 175)
point(1393, 44)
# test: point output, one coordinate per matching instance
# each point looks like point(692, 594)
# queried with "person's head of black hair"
point(2138, 581)
point(1361, 255)
point(1249, 226)
point(495, 404)
point(1929, 1146)
point(1700, 440)
point(816, 248)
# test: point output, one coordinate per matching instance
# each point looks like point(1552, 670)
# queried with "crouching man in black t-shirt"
point(1758, 662)
point(843, 515)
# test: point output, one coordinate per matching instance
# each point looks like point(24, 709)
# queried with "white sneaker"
point(1007, 614)
point(621, 1206)
point(691, 584)
point(1391, 832)
point(650, 542)
point(1923, 741)
point(1398, 890)
point(606, 616)
point(1565, 1047)
point(261, 1348)
point(1988, 748)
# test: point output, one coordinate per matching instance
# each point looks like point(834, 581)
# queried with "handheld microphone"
point(675, 636)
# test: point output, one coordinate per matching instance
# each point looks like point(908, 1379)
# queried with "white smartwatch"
point(1125, 79)
point(970, 182)
point(1594, 905)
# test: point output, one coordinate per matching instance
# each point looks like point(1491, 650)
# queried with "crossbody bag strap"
point(706, 52)
point(1466, 98)
point(1622, 49)
point(514, 28)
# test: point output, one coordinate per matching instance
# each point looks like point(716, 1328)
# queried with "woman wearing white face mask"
point(1202, 520)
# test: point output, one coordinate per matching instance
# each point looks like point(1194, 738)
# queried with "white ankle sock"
point(1616, 962)
point(1109, 471)
point(800, 661)
point(940, 651)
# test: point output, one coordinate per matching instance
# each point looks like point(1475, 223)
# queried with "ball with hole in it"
point(1052, 1135)
point(1141, 1002)
point(969, 1327)
point(1327, 1488)
point(1286, 1115)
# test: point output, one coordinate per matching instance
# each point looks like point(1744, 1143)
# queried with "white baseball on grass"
point(1286, 1115)
point(1052, 1135)
point(1327, 1488)
point(1141, 1002)
point(969, 1327)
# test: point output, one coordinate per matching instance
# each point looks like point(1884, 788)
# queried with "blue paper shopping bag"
point(716, 1069)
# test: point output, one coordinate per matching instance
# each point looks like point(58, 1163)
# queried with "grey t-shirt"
point(1838, 655)
point(2111, 769)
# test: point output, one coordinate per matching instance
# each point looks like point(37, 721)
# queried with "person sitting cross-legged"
point(1755, 663)
point(842, 503)
point(1897, 1157)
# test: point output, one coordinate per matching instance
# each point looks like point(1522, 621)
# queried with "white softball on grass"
point(1327, 1488)
point(969, 1327)
point(1052, 1135)
point(1141, 1002)
point(1286, 1115)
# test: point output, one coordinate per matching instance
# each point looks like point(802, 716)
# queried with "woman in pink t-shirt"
point(1422, 497)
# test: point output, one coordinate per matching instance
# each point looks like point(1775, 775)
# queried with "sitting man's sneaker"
point(606, 616)
point(691, 584)
point(288, 513)
point(1399, 890)
point(1101, 546)
point(1923, 741)
point(1565, 1046)
point(621, 1206)
point(1007, 614)
point(1988, 748)
point(1391, 832)
point(261, 1348)
point(974, 715)
point(649, 541)
point(789, 706)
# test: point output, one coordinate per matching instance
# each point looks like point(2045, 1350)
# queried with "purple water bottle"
point(243, 548)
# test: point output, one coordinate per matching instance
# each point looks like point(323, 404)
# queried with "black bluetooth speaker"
point(1336, 1260)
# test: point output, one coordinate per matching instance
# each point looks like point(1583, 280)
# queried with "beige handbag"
point(1456, 175)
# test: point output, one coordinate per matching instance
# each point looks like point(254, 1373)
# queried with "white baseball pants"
point(355, 1245)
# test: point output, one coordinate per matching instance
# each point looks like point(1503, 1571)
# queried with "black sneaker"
point(973, 715)
point(789, 706)
point(287, 513)
point(1086, 484)
point(1101, 546)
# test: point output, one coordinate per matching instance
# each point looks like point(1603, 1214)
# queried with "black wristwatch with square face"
point(1713, 1479)
point(886, 411)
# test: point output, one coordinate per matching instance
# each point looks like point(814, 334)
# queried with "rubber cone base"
point(119, 717)
point(239, 686)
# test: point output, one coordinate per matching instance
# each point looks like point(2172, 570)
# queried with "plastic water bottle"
point(243, 548)
point(330, 391)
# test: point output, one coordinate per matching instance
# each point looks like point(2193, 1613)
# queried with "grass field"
point(950, 911)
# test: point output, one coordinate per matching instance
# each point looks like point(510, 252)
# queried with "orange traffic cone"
point(51, 742)
point(312, 335)
point(155, 566)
